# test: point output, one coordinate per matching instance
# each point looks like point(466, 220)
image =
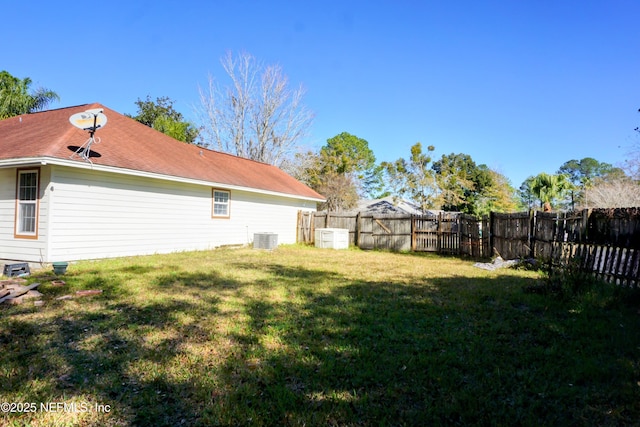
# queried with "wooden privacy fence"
point(613, 264)
point(384, 231)
point(446, 232)
point(537, 234)
point(603, 241)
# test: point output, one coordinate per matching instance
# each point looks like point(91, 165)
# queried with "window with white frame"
point(27, 203)
point(221, 199)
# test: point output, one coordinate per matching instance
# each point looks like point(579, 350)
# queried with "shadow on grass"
point(335, 351)
point(452, 351)
point(108, 350)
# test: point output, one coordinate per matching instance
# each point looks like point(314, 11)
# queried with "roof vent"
point(90, 120)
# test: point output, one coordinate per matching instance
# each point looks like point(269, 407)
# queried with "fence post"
point(439, 234)
point(492, 219)
point(413, 233)
point(484, 237)
point(532, 233)
point(357, 234)
point(457, 236)
point(584, 230)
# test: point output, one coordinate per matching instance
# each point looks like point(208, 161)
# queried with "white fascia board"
point(41, 161)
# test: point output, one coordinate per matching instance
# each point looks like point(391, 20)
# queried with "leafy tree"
point(342, 170)
point(499, 196)
point(549, 188)
point(338, 188)
point(584, 173)
point(396, 174)
point(373, 186)
point(461, 182)
point(350, 155)
point(16, 97)
point(454, 181)
point(256, 116)
point(525, 193)
point(413, 177)
point(161, 116)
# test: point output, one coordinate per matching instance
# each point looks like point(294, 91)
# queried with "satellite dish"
point(89, 120)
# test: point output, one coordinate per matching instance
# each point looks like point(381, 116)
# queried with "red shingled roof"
point(128, 144)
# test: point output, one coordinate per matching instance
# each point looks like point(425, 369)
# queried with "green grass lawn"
point(302, 336)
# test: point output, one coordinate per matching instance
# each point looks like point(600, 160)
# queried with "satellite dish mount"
point(90, 120)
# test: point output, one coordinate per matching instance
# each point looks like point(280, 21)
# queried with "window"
point(221, 204)
point(27, 203)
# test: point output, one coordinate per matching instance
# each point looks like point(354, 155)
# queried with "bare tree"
point(257, 116)
point(339, 190)
point(632, 163)
point(619, 193)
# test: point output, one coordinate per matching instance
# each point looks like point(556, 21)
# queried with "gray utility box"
point(17, 269)
point(265, 240)
point(332, 238)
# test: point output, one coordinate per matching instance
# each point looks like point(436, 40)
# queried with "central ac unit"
point(265, 240)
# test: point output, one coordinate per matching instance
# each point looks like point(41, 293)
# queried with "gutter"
point(43, 161)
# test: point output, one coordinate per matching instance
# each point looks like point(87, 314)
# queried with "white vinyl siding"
point(103, 215)
point(87, 214)
point(17, 247)
point(260, 213)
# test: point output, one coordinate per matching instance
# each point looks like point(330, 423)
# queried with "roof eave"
point(44, 160)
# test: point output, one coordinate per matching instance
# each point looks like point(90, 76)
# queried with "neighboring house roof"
point(128, 146)
point(390, 206)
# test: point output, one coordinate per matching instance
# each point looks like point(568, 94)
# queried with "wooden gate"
point(433, 233)
point(510, 234)
point(425, 233)
point(385, 232)
point(470, 236)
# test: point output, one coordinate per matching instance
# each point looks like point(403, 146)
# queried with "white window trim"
point(18, 231)
point(214, 203)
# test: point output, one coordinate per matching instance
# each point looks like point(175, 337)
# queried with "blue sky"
point(521, 86)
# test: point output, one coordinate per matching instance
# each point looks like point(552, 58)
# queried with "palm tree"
point(15, 98)
point(547, 188)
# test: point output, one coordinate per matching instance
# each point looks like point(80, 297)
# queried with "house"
point(137, 192)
